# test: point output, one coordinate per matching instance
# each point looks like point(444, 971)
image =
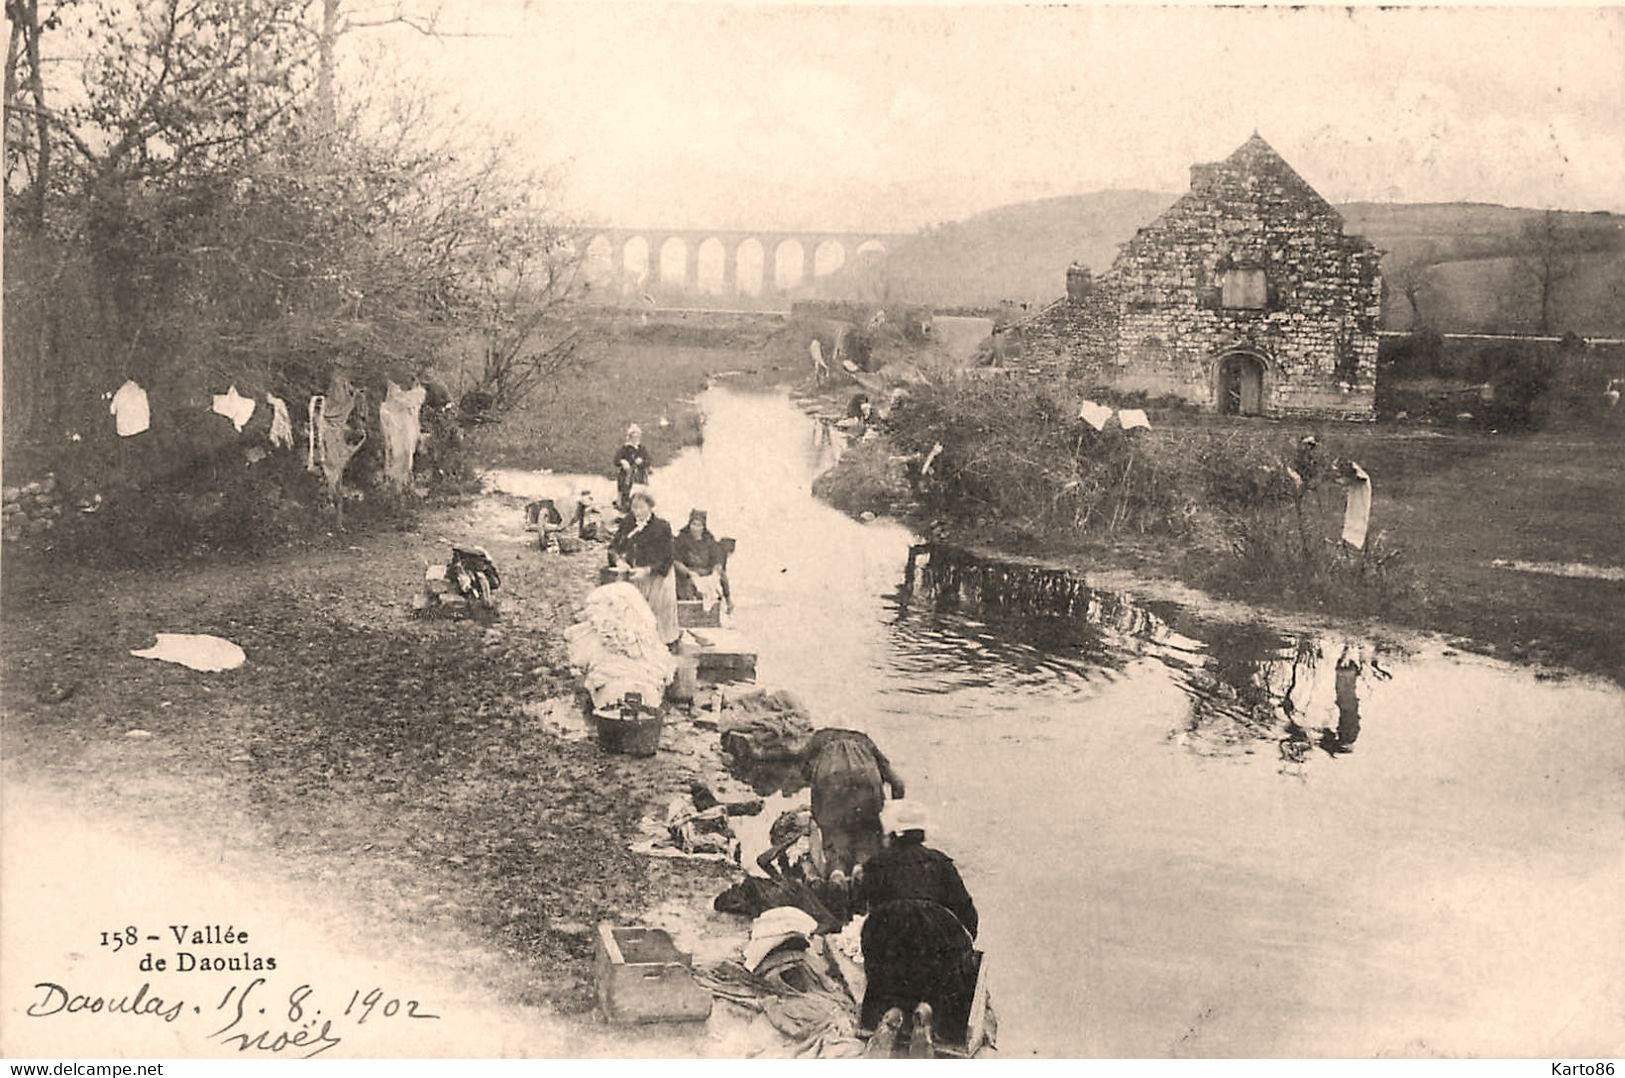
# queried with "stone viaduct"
point(696, 262)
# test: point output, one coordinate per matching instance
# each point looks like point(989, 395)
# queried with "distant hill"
point(1018, 252)
point(1467, 260)
point(1472, 262)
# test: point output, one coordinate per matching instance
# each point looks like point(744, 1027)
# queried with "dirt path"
point(369, 792)
point(69, 879)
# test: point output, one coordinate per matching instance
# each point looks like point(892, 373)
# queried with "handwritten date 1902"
point(305, 1027)
point(406, 1008)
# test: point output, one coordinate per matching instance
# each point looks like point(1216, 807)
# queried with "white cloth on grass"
point(1132, 418)
point(198, 651)
point(1094, 414)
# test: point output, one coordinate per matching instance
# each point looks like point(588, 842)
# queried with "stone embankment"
point(33, 509)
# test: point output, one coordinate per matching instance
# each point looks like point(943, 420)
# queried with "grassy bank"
point(643, 373)
point(404, 767)
point(1206, 500)
point(399, 765)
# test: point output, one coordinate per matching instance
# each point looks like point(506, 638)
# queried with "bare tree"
point(1550, 258)
point(1411, 279)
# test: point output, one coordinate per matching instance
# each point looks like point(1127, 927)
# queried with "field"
point(1493, 295)
point(643, 374)
point(1203, 500)
point(1457, 502)
point(398, 768)
point(1453, 502)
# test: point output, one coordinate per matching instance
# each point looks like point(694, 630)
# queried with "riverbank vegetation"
point(1240, 508)
point(638, 368)
point(195, 223)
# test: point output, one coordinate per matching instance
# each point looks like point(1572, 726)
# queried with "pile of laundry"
point(617, 644)
point(687, 831)
point(766, 725)
point(806, 986)
point(695, 825)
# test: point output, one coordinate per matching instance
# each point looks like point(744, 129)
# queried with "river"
point(1421, 853)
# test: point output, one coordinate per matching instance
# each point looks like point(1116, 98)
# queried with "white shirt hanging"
point(235, 407)
point(130, 409)
point(281, 425)
point(1357, 515)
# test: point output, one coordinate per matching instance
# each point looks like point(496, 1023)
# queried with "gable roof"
point(1256, 155)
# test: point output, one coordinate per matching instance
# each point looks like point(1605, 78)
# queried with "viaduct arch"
point(756, 263)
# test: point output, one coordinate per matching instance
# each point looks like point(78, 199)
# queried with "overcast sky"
point(767, 116)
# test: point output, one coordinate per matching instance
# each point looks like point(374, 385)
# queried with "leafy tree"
point(201, 206)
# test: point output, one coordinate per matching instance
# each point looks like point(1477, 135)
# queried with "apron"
point(660, 592)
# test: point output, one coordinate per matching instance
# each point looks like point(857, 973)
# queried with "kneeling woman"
point(643, 544)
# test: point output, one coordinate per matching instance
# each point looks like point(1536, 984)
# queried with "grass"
point(1454, 502)
point(643, 374)
point(869, 480)
point(1457, 501)
point(394, 758)
point(1447, 504)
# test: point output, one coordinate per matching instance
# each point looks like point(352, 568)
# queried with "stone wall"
point(1075, 337)
point(1157, 321)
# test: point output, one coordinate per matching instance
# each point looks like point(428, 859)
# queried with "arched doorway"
point(1240, 389)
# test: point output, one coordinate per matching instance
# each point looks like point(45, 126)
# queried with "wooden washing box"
point(643, 977)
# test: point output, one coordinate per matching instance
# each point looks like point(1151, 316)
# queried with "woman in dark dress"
point(701, 562)
point(631, 466)
point(642, 544)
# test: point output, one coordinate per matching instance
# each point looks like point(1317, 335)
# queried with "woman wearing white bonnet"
point(901, 817)
point(917, 945)
point(631, 467)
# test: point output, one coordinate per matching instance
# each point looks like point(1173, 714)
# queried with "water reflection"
point(1089, 835)
point(826, 443)
point(1248, 685)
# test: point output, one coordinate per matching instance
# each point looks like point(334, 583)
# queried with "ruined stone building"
point(1245, 296)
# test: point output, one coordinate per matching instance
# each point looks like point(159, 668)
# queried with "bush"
point(1015, 452)
point(1520, 380)
point(867, 479)
point(1267, 555)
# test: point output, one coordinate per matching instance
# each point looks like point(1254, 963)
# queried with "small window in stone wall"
point(1244, 288)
